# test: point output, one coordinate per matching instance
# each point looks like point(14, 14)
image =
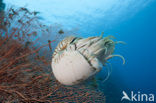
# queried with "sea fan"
point(25, 72)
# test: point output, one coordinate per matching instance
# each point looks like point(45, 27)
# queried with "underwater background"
point(131, 21)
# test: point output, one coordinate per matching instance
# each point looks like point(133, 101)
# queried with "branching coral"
point(25, 73)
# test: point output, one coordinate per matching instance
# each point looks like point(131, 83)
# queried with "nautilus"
point(76, 59)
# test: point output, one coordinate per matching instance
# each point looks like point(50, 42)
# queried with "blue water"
point(139, 72)
point(139, 32)
point(134, 24)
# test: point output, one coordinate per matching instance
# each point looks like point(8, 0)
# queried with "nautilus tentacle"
point(76, 59)
point(111, 56)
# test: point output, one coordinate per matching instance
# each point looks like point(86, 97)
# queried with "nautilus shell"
point(76, 59)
